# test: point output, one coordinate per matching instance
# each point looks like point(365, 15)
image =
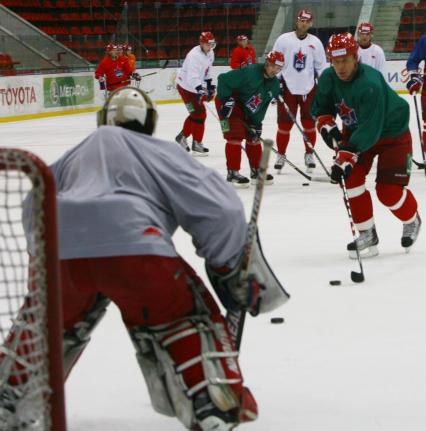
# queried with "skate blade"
point(267, 182)
point(241, 186)
point(309, 170)
point(198, 154)
point(365, 254)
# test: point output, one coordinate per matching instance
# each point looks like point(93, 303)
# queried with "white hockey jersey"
point(373, 56)
point(196, 68)
point(125, 193)
point(304, 60)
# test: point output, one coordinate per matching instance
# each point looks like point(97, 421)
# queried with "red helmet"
point(305, 15)
point(341, 45)
point(242, 37)
point(365, 28)
point(275, 57)
point(207, 37)
point(111, 46)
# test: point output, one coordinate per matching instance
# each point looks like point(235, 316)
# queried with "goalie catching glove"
point(329, 131)
point(260, 292)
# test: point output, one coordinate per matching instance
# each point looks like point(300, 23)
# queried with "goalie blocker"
point(261, 292)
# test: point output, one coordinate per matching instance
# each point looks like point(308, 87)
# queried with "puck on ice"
point(305, 184)
point(277, 319)
point(335, 282)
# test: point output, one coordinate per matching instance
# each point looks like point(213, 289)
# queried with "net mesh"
point(24, 376)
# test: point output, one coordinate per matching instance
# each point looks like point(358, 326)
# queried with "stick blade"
point(357, 277)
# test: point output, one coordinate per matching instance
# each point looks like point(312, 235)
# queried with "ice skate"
point(279, 163)
point(199, 150)
point(181, 140)
point(310, 162)
point(254, 173)
point(238, 180)
point(410, 232)
point(367, 244)
point(209, 417)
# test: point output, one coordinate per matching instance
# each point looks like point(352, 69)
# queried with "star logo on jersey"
point(299, 61)
point(254, 102)
point(347, 114)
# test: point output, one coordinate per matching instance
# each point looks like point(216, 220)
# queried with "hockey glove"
point(102, 83)
point(415, 83)
point(136, 76)
point(255, 132)
point(227, 107)
point(201, 93)
point(234, 294)
point(343, 165)
point(329, 131)
point(211, 90)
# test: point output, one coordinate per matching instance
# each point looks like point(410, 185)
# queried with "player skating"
point(305, 61)
point(375, 123)
point(416, 77)
point(369, 52)
point(243, 54)
point(121, 194)
point(242, 100)
point(194, 84)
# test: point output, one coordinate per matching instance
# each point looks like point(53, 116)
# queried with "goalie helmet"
point(341, 45)
point(275, 57)
point(131, 109)
point(365, 28)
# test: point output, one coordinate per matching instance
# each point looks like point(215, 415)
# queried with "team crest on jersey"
point(347, 114)
point(118, 73)
point(299, 61)
point(254, 102)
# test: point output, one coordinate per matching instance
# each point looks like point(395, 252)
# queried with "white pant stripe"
point(399, 204)
point(356, 191)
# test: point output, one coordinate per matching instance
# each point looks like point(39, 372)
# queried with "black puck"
point(335, 282)
point(277, 319)
point(305, 184)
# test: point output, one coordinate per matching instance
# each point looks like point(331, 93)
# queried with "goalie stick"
point(235, 319)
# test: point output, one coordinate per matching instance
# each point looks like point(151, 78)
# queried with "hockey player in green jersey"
point(243, 96)
point(375, 123)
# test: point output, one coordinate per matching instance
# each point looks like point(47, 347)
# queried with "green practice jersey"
point(368, 107)
point(253, 90)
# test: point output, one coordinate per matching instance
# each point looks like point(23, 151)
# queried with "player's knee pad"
point(308, 124)
point(390, 194)
point(76, 339)
point(198, 117)
point(284, 128)
point(182, 359)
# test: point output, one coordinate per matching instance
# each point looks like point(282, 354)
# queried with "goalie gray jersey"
point(124, 193)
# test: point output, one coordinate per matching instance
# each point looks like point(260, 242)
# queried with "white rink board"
point(23, 95)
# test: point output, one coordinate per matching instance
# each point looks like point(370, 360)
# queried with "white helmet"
point(130, 108)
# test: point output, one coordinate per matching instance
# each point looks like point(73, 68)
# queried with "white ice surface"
point(350, 358)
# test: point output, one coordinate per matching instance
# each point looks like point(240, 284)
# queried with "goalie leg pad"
point(76, 338)
point(184, 358)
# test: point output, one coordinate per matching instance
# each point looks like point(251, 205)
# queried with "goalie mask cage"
point(31, 365)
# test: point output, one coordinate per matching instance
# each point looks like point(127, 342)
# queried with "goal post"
point(31, 355)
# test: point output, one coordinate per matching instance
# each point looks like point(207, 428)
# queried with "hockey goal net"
point(31, 368)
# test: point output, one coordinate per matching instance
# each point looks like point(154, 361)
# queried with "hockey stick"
point(420, 133)
point(419, 164)
point(293, 118)
point(154, 73)
point(308, 177)
point(235, 319)
point(356, 277)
